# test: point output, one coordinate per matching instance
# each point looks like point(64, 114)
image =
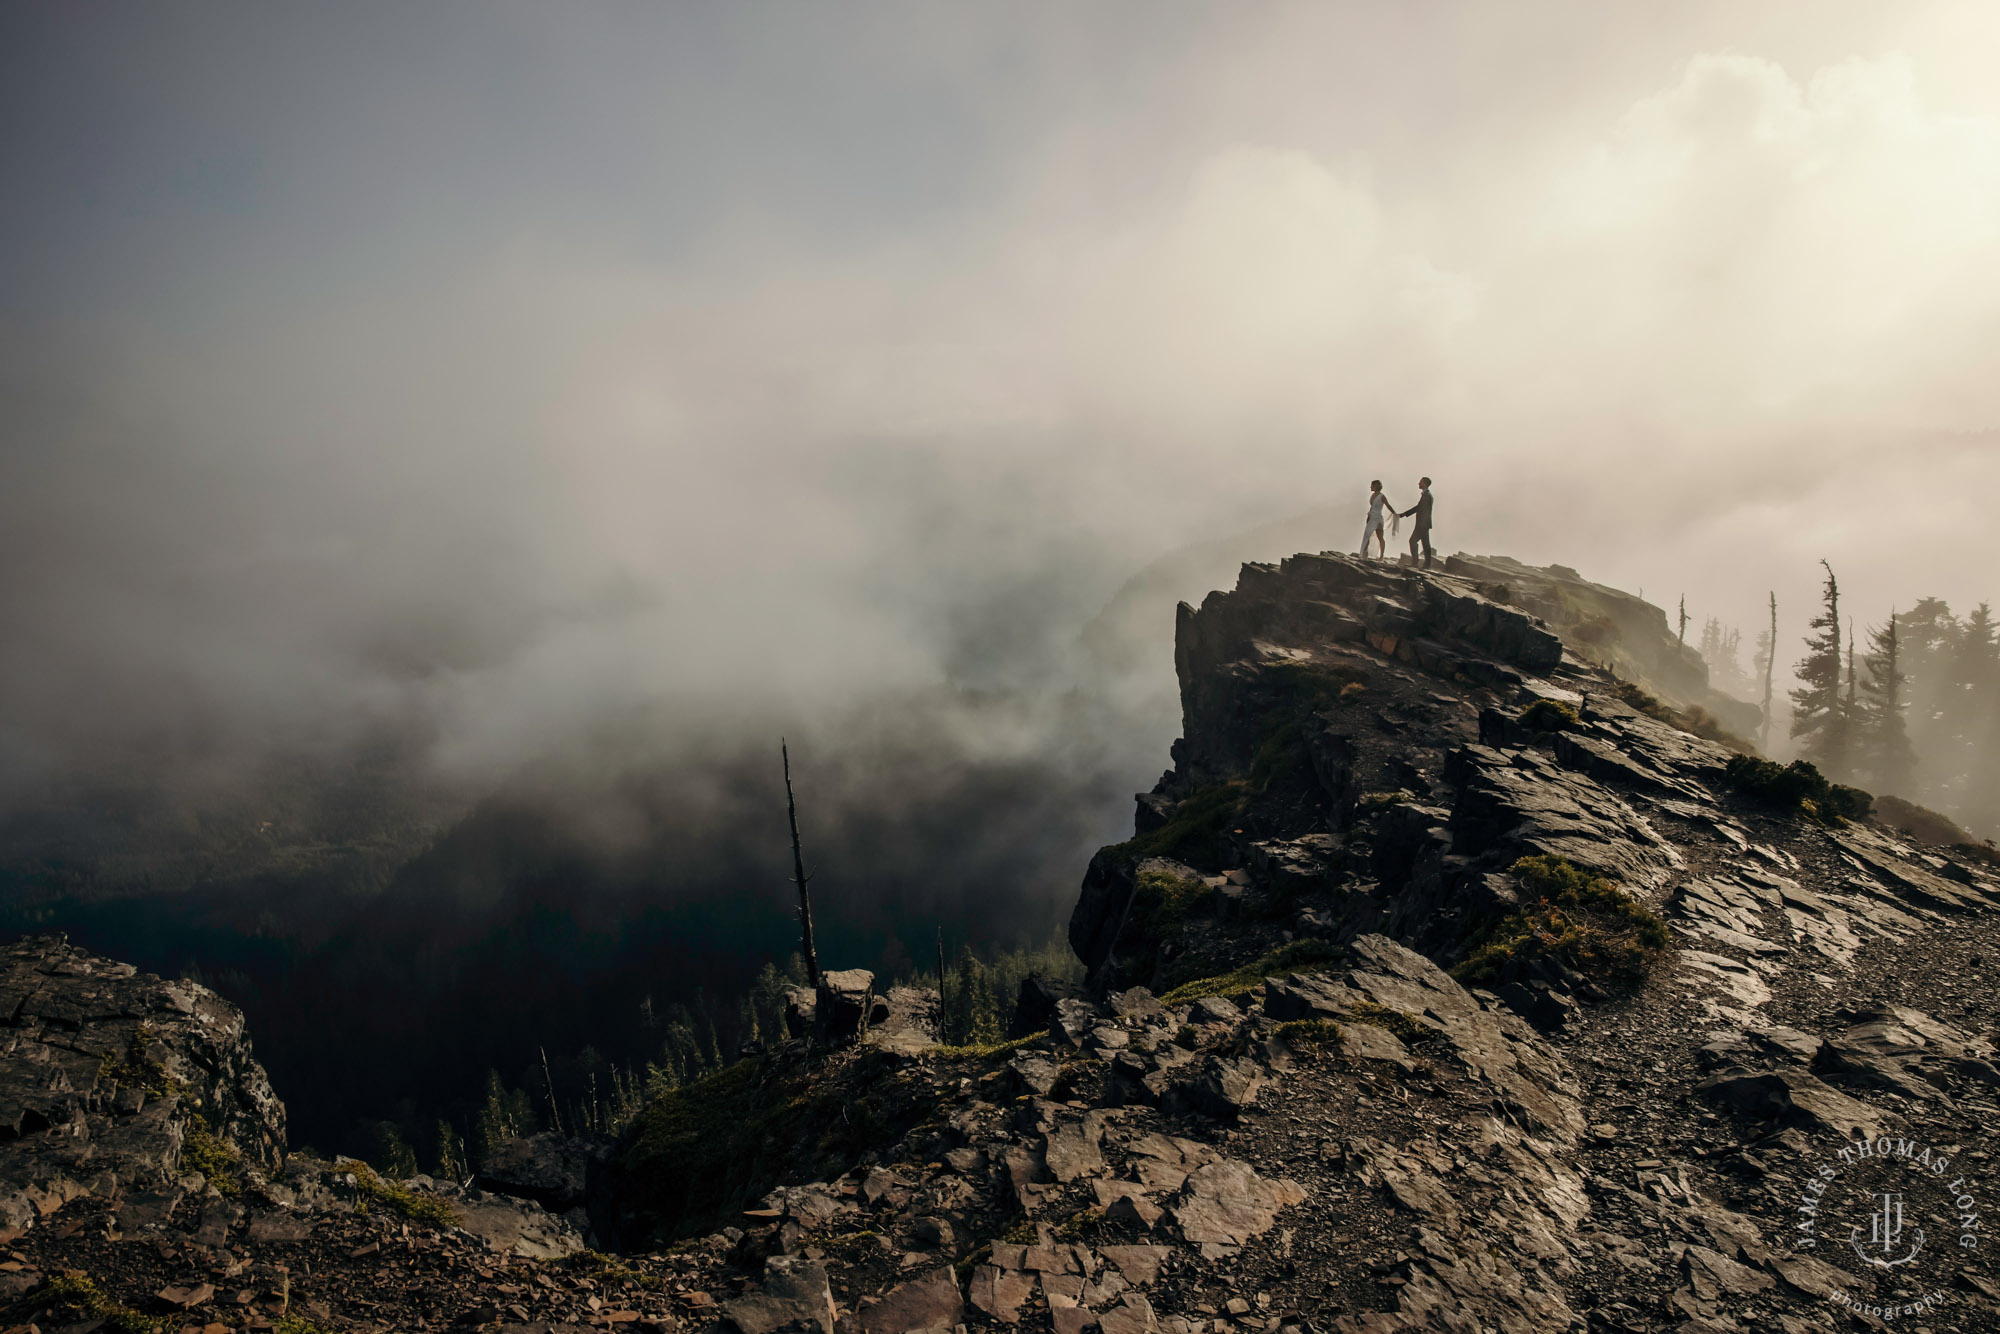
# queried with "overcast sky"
point(506, 365)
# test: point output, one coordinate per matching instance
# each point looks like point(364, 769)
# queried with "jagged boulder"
point(552, 1170)
point(842, 1005)
point(141, 1081)
point(1035, 1008)
point(800, 1005)
point(794, 1292)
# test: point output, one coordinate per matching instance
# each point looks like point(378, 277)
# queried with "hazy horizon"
point(491, 377)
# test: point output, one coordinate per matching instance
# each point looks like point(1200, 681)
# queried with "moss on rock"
point(1569, 918)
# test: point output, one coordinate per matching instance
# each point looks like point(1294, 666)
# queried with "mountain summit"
point(1467, 971)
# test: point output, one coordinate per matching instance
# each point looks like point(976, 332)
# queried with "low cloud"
point(559, 497)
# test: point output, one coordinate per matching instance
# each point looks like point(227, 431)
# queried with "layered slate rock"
point(1275, 1107)
point(104, 1070)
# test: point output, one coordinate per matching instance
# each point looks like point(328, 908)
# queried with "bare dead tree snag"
point(548, 1081)
point(1770, 665)
point(940, 1005)
point(799, 876)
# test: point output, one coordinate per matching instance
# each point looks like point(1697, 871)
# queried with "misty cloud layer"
point(548, 389)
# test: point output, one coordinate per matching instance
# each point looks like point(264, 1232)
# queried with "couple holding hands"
point(1378, 506)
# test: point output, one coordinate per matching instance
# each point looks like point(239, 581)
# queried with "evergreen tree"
point(450, 1154)
point(1852, 699)
point(505, 1114)
point(705, 1031)
point(1891, 762)
point(1927, 652)
point(971, 1011)
point(959, 1002)
point(1971, 767)
point(1720, 645)
point(384, 1149)
point(680, 1050)
point(1820, 717)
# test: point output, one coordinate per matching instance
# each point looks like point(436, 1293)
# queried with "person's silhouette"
point(1421, 532)
point(1378, 508)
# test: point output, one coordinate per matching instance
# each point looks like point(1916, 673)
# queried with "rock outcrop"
point(107, 1075)
point(1345, 1064)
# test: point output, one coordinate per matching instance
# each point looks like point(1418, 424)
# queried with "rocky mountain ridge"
point(1461, 975)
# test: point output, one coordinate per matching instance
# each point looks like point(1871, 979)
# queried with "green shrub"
point(418, 1208)
point(1163, 899)
point(1798, 787)
point(202, 1152)
point(76, 1289)
point(1195, 832)
point(1569, 917)
point(1550, 715)
point(136, 1068)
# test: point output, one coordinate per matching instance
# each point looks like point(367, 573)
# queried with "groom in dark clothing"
point(1422, 530)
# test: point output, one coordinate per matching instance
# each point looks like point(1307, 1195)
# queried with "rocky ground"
point(1274, 1108)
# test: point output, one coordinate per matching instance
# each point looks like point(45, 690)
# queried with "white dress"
point(1378, 502)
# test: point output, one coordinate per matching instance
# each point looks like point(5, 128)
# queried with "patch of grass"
point(1162, 899)
point(1550, 715)
point(1309, 1034)
point(1281, 754)
point(292, 1324)
point(202, 1152)
point(1407, 1027)
point(136, 1069)
point(1301, 956)
point(417, 1208)
point(1195, 831)
point(1082, 1227)
point(76, 1289)
point(1798, 787)
point(596, 1264)
point(988, 1050)
point(1381, 801)
point(977, 1257)
point(1303, 685)
point(1569, 917)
